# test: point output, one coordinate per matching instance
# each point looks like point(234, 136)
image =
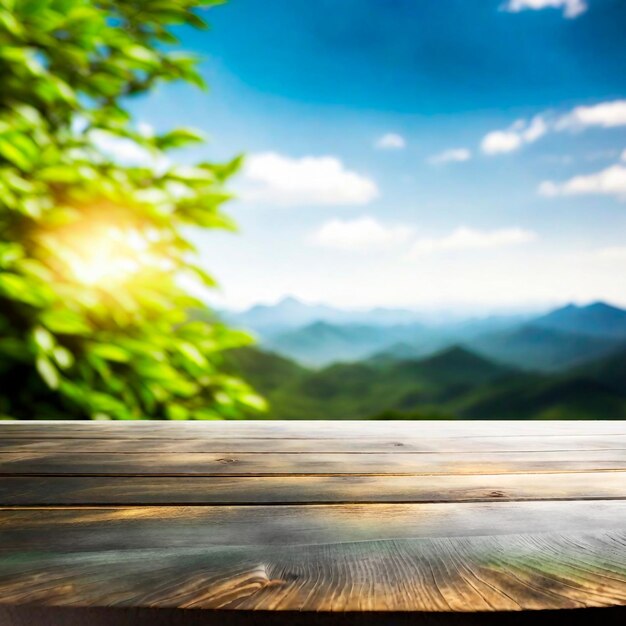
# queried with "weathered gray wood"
point(212, 464)
point(360, 445)
point(116, 528)
point(309, 429)
point(156, 490)
point(334, 517)
point(461, 574)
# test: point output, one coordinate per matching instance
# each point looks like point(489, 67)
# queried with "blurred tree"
point(93, 252)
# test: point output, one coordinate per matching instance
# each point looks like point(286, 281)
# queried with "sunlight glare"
point(109, 255)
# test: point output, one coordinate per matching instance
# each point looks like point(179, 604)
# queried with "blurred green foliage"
point(93, 250)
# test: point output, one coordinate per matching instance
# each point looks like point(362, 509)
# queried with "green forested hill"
point(559, 397)
point(610, 371)
point(541, 348)
point(455, 383)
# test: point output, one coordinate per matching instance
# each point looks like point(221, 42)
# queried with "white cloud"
point(608, 182)
point(535, 130)
point(361, 234)
point(513, 138)
point(453, 155)
point(464, 238)
point(603, 115)
point(310, 180)
point(623, 157)
point(571, 8)
point(127, 152)
point(121, 149)
point(501, 141)
point(390, 141)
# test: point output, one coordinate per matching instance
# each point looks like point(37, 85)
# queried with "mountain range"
point(452, 384)
point(597, 319)
point(318, 335)
point(291, 313)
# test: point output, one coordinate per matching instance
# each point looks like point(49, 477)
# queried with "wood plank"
point(120, 528)
point(481, 573)
point(78, 490)
point(308, 429)
point(420, 557)
point(207, 464)
point(233, 443)
point(312, 516)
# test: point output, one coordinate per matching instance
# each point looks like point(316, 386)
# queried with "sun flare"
point(102, 256)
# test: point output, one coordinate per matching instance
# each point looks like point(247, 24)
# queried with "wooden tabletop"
point(426, 517)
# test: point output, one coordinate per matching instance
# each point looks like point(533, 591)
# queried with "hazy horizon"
point(432, 313)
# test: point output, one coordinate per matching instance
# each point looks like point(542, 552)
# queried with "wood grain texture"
point(308, 429)
point(156, 490)
point(246, 464)
point(354, 445)
point(460, 574)
point(111, 528)
point(361, 518)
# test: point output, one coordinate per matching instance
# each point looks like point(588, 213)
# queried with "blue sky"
point(434, 154)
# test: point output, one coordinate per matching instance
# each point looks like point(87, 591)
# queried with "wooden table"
point(231, 522)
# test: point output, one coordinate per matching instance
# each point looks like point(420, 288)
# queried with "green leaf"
point(205, 278)
point(254, 402)
point(18, 149)
point(226, 170)
point(63, 357)
point(65, 322)
point(9, 253)
point(60, 174)
point(177, 412)
point(10, 24)
point(110, 352)
point(141, 54)
point(192, 353)
point(48, 372)
point(18, 288)
point(178, 138)
point(43, 339)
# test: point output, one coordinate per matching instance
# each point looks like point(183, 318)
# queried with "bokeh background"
point(429, 199)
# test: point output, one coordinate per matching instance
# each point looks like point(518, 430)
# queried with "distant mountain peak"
point(290, 301)
point(568, 308)
point(597, 305)
point(596, 319)
point(286, 302)
point(603, 306)
point(459, 355)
